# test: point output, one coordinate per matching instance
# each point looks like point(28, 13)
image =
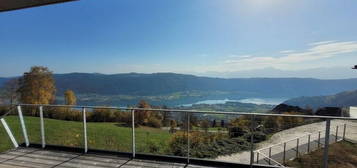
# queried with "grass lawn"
point(107, 136)
point(341, 155)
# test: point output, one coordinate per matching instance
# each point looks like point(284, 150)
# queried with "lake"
point(258, 101)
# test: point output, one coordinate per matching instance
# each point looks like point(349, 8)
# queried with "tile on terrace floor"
point(37, 158)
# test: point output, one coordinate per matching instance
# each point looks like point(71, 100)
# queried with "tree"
point(222, 123)
point(173, 126)
point(70, 98)
point(10, 90)
point(193, 120)
point(103, 115)
point(37, 86)
point(290, 122)
point(205, 125)
point(142, 116)
point(214, 123)
point(243, 122)
point(272, 124)
point(239, 126)
point(165, 116)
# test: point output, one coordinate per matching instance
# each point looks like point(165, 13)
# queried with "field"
point(107, 136)
point(341, 155)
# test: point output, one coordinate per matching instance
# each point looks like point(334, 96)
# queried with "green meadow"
point(105, 136)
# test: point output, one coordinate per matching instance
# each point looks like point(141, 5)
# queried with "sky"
point(224, 38)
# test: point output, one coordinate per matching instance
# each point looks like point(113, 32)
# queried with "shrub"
point(103, 115)
point(206, 145)
point(63, 113)
point(124, 117)
point(236, 132)
point(177, 144)
point(4, 109)
point(153, 147)
point(154, 122)
point(173, 126)
point(258, 136)
point(205, 125)
point(272, 124)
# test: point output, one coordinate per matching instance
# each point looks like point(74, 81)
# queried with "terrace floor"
point(39, 158)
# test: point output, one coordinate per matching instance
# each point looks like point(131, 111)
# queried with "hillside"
point(175, 89)
point(314, 160)
point(343, 99)
point(166, 83)
point(3, 80)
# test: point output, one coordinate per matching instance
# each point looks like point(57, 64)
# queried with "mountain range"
point(343, 99)
point(169, 85)
point(270, 72)
point(3, 80)
point(166, 83)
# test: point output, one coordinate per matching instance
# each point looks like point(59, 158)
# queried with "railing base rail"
point(143, 156)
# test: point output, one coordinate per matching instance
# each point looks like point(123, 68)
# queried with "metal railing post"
point(23, 126)
point(308, 143)
point(284, 153)
point(327, 143)
point(252, 129)
point(85, 130)
point(42, 124)
point(318, 141)
point(133, 132)
point(344, 131)
point(188, 137)
point(270, 156)
point(9, 133)
point(297, 148)
point(336, 134)
point(257, 157)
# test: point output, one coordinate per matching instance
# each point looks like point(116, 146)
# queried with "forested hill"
point(343, 99)
point(3, 80)
point(166, 83)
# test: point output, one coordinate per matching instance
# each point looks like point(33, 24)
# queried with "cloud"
point(321, 51)
point(316, 55)
point(317, 51)
point(321, 43)
point(286, 51)
point(240, 56)
point(203, 55)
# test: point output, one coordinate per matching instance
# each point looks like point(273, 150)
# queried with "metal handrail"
point(194, 111)
point(134, 109)
point(307, 134)
point(7, 128)
point(276, 162)
point(12, 107)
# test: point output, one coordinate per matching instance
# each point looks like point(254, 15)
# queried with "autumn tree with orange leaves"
point(37, 86)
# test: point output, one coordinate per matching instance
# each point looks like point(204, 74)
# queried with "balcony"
point(40, 139)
